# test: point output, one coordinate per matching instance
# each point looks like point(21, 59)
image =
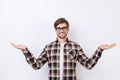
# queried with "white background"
point(30, 22)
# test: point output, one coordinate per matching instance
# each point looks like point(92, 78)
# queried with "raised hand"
point(104, 47)
point(21, 47)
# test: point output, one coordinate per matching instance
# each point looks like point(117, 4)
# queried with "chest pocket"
point(72, 54)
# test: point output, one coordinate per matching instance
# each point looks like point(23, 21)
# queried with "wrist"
point(25, 50)
point(100, 49)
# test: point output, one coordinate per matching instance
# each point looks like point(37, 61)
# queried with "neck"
point(62, 40)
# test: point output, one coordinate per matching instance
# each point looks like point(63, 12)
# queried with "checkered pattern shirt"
point(72, 53)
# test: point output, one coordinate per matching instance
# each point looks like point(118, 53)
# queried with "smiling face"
point(62, 30)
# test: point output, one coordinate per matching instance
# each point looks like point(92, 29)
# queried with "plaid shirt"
point(72, 53)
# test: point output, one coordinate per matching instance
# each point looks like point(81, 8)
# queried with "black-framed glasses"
point(62, 28)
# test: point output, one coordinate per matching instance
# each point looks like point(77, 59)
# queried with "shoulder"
point(51, 44)
point(75, 44)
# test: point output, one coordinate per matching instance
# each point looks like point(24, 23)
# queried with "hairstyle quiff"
point(59, 21)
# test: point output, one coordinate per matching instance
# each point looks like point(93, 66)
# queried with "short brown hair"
point(59, 21)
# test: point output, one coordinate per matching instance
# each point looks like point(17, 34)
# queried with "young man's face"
point(62, 30)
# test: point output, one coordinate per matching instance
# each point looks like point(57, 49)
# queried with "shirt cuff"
point(25, 51)
point(99, 51)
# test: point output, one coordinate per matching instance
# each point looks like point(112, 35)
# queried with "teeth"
point(61, 34)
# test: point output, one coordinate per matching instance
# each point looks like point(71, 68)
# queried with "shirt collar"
point(67, 40)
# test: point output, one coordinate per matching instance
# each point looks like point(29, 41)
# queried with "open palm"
point(104, 47)
point(21, 47)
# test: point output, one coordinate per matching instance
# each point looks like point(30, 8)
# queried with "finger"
point(13, 44)
point(111, 46)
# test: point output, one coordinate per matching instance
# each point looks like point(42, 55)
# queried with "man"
point(62, 54)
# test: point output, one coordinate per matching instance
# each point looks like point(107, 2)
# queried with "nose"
point(61, 30)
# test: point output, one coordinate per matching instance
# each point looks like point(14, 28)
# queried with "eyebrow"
point(62, 27)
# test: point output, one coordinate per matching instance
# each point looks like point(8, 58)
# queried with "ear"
point(68, 28)
point(55, 29)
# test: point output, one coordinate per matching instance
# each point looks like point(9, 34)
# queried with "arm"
point(89, 63)
point(36, 63)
